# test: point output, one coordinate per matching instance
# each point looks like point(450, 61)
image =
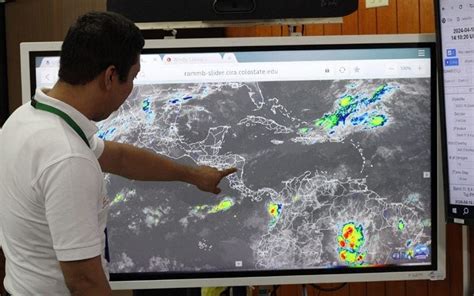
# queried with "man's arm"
point(141, 164)
point(86, 277)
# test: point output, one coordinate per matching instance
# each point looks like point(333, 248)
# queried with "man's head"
point(97, 41)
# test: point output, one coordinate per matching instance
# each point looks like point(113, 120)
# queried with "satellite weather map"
point(331, 173)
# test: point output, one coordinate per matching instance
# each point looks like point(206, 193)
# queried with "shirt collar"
point(88, 127)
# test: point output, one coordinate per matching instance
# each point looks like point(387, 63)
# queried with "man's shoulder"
point(23, 121)
point(41, 130)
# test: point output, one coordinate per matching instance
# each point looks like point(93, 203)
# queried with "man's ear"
point(109, 76)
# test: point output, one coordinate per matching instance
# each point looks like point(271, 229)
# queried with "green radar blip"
point(350, 243)
point(303, 130)
point(377, 120)
point(379, 90)
point(328, 121)
point(223, 206)
point(345, 101)
point(378, 94)
point(401, 225)
point(274, 210)
point(347, 106)
point(118, 198)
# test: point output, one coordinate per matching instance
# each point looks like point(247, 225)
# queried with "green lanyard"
point(40, 106)
point(69, 121)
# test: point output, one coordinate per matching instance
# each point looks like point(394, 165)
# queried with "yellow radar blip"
point(350, 243)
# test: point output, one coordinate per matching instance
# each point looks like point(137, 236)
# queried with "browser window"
point(457, 39)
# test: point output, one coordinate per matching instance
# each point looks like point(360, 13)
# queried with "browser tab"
point(150, 59)
point(229, 57)
point(50, 62)
point(199, 58)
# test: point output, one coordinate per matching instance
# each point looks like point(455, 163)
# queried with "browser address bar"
point(271, 71)
point(285, 71)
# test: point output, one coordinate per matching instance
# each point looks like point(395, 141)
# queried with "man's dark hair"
point(96, 41)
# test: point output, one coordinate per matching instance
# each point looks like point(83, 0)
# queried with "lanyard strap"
point(40, 106)
point(67, 119)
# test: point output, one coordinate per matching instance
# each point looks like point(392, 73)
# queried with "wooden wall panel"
point(408, 16)
point(427, 17)
point(357, 289)
point(265, 31)
point(37, 20)
point(416, 288)
point(241, 31)
point(376, 289)
point(56, 8)
point(332, 29)
point(285, 31)
point(367, 19)
point(36, 15)
point(340, 291)
point(387, 18)
point(257, 31)
point(276, 31)
point(345, 291)
point(289, 290)
point(395, 288)
point(350, 25)
point(71, 10)
point(438, 288)
point(313, 30)
point(454, 256)
point(299, 29)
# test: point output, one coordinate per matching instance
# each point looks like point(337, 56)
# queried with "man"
point(52, 193)
point(2, 271)
point(2, 257)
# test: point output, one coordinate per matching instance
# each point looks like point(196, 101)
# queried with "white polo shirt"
point(52, 196)
point(0, 225)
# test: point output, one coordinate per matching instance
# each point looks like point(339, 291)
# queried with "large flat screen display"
point(334, 145)
point(456, 36)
